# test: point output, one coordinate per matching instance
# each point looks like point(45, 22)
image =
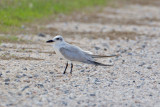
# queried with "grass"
point(8, 39)
point(15, 13)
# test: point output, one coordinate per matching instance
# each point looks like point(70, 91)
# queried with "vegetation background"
point(15, 13)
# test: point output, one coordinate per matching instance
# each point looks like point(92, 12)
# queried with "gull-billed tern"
point(73, 53)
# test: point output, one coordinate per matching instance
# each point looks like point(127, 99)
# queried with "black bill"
point(49, 41)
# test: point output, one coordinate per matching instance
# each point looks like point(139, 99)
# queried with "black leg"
point(65, 68)
point(71, 68)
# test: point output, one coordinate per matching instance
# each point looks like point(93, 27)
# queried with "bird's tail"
point(102, 56)
point(98, 64)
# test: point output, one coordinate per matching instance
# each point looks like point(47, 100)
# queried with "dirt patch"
point(142, 2)
point(13, 57)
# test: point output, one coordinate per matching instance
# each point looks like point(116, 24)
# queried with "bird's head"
point(56, 39)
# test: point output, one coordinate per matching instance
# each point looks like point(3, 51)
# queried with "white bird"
point(74, 53)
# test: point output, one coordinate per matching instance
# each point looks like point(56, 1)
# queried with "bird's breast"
point(56, 49)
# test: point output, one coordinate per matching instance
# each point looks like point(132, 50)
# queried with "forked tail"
point(102, 56)
point(98, 64)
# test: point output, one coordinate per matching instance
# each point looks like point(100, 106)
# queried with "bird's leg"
point(65, 68)
point(71, 68)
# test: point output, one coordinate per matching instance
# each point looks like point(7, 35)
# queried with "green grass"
point(8, 39)
point(14, 13)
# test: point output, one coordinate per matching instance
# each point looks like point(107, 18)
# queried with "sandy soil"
point(31, 73)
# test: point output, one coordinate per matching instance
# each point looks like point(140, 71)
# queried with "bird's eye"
point(57, 39)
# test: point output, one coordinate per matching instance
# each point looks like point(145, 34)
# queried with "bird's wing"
point(74, 54)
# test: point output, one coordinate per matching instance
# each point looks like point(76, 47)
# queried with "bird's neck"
point(59, 45)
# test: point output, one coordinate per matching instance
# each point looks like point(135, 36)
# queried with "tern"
point(73, 53)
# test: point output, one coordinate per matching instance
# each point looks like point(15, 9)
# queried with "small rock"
point(82, 70)
point(30, 76)
point(92, 95)
point(0, 74)
point(25, 88)
point(28, 81)
point(129, 53)
point(134, 81)
point(19, 76)
point(138, 86)
point(6, 83)
point(138, 72)
point(143, 46)
point(142, 79)
point(97, 81)
point(76, 27)
point(20, 94)
point(66, 91)
point(51, 72)
point(41, 35)
point(7, 71)
point(64, 103)
point(7, 80)
point(142, 64)
point(35, 75)
point(17, 80)
point(97, 48)
point(110, 61)
point(118, 46)
point(149, 67)
point(105, 49)
point(123, 51)
point(24, 75)
point(39, 85)
point(25, 69)
point(123, 61)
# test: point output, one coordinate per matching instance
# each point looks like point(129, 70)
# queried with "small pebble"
point(51, 72)
point(6, 83)
point(76, 27)
point(123, 51)
point(25, 88)
point(138, 86)
point(129, 53)
point(123, 61)
point(7, 80)
point(7, 71)
point(149, 67)
point(142, 64)
point(24, 75)
point(97, 48)
point(30, 76)
point(143, 46)
point(41, 35)
point(19, 76)
point(0, 74)
point(92, 95)
point(25, 69)
point(134, 81)
point(39, 85)
point(17, 80)
point(35, 75)
point(105, 49)
point(64, 103)
point(82, 70)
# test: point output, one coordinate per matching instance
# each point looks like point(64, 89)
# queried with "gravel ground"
point(31, 73)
